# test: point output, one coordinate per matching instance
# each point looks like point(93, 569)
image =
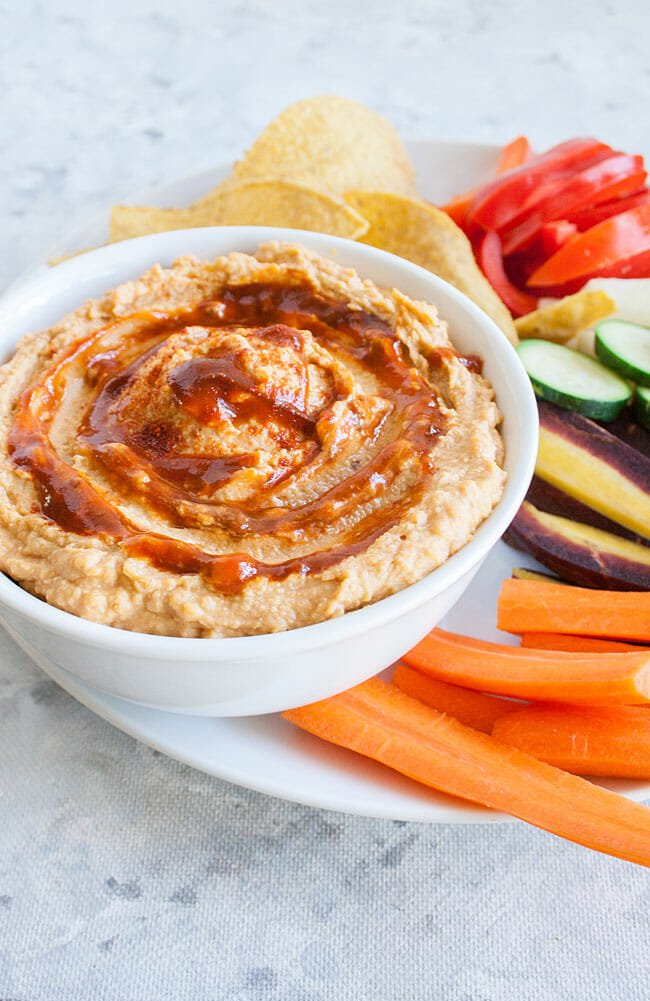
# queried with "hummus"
point(241, 446)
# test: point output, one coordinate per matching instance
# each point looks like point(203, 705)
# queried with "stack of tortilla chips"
point(330, 165)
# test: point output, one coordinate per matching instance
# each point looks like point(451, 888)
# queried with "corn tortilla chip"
point(562, 320)
point(331, 143)
point(426, 236)
point(267, 202)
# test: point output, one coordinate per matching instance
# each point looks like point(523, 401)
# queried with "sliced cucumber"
point(573, 380)
point(642, 405)
point(625, 347)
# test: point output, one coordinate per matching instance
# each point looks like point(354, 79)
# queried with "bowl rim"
point(353, 622)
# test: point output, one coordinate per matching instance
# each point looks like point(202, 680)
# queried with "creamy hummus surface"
point(240, 446)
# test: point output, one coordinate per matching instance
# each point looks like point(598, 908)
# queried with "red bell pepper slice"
point(614, 243)
point(501, 200)
point(514, 154)
point(586, 218)
point(603, 168)
point(614, 177)
point(554, 235)
point(490, 260)
point(633, 267)
point(546, 241)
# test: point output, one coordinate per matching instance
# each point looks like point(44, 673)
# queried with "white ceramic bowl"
point(260, 674)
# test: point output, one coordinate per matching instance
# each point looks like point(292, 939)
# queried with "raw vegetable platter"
point(267, 753)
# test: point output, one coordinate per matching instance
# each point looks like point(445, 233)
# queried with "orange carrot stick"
point(531, 606)
point(588, 741)
point(377, 720)
point(564, 641)
point(537, 675)
point(514, 154)
point(471, 708)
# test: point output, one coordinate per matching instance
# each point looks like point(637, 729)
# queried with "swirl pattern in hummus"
point(240, 447)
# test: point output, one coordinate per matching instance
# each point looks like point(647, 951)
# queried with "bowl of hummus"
point(242, 469)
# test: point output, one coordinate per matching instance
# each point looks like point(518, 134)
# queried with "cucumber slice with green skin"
point(573, 380)
point(642, 405)
point(625, 347)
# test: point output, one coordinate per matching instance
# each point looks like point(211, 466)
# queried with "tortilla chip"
point(562, 320)
point(427, 236)
point(331, 143)
point(267, 202)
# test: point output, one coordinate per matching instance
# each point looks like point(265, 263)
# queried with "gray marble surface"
point(125, 876)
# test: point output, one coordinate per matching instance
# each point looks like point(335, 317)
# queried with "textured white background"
point(123, 875)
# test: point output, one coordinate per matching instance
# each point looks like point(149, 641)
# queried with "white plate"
point(264, 752)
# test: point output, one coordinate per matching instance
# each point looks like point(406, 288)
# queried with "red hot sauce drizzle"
point(144, 457)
